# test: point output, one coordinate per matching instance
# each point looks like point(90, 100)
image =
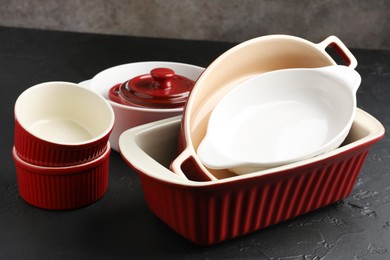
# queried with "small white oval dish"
point(280, 117)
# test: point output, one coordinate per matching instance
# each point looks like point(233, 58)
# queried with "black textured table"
point(120, 225)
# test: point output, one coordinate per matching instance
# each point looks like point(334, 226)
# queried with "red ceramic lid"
point(162, 88)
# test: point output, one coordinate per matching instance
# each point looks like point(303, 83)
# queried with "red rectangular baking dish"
point(209, 212)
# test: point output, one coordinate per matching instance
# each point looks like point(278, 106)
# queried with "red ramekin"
point(60, 188)
point(42, 115)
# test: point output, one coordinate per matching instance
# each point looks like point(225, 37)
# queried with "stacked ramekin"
point(61, 149)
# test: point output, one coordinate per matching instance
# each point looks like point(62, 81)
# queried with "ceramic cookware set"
point(268, 131)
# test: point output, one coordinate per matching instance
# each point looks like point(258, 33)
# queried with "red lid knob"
point(161, 77)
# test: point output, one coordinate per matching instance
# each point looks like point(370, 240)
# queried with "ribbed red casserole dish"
point(212, 211)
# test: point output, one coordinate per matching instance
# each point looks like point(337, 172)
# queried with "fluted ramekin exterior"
point(36, 151)
point(61, 188)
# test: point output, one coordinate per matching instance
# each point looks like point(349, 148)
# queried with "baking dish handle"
point(339, 47)
point(178, 162)
point(186, 166)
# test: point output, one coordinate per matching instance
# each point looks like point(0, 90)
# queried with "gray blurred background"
point(358, 23)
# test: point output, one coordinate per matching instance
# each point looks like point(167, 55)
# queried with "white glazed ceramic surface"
point(128, 116)
point(64, 113)
point(280, 117)
point(150, 149)
point(250, 58)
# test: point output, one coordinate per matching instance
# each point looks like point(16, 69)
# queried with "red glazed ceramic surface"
point(211, 211)
point(61, 124)
point(130, 116)
point(60, 188)
point(162, 88)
